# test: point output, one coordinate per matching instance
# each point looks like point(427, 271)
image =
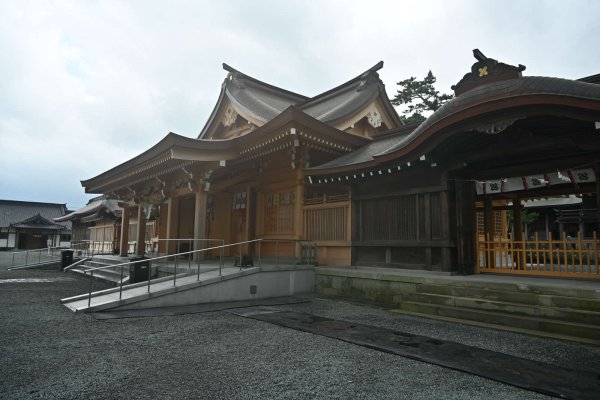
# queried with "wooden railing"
point(567, 257)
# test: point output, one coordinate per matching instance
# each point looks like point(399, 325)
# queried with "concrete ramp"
point(231, 284)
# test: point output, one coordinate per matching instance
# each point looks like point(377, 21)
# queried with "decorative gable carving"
point(374, 118)
point(229, 117)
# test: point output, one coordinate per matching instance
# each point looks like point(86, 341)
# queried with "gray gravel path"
point(48, 352)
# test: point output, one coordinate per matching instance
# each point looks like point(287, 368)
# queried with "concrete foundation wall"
point(260, 285)
point(366, 286)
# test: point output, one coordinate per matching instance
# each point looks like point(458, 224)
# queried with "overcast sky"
point(86, 85)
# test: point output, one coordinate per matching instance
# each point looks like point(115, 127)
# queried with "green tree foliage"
point(419, 97)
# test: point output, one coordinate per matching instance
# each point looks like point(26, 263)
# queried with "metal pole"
point(90, 294)
point(121, 286)
point(259, 253)
point(26, 257)
point(221, 255)
point(148, 277)
point(190, 256)
point(276, 253)
point(13, 258)
point(175, 273)
point(241, 257)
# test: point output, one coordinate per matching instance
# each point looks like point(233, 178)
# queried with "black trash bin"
point(139, 271)
point(66, 258)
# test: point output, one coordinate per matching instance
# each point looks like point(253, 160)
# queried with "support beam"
point(124, 245)
point(140, 248)
point(200, 223)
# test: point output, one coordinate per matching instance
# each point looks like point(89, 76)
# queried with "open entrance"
point(552, 230)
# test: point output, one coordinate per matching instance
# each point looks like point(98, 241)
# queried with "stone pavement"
point(49, 352)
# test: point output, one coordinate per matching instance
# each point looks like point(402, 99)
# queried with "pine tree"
point(420, 97)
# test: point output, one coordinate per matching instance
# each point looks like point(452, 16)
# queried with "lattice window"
point(325, 224)
point(239, 200)
point(499, 223)
point(389, 219)
point(279, 212)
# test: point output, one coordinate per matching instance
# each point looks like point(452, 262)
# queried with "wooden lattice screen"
point(279, 212)
point(325, 223)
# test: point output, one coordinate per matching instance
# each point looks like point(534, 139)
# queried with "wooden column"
point(489, 229)
point(200, 223)
point(518, 232)
point(446, 253)
point(298, 223)
point(140, 248)
point(466, 228)
point(598, 196)
point(124, 249)
point(172, 218)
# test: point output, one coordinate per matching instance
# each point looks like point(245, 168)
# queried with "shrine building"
point(340, 170)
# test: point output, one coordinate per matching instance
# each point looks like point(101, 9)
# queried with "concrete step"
point(530, 323)
point(516, 308)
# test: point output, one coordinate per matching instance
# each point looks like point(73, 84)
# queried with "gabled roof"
point(263, 102)
point(251, 97)
point(15, 211)
point(94, 208)
point(349, 98)
point(39, 223)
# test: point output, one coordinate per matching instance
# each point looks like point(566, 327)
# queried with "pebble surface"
point(49, 352)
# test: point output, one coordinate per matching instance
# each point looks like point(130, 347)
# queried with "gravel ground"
point(48, 352)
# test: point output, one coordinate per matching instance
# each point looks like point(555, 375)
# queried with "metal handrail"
point(50, 251)
point(91, 270)
point(221, 259)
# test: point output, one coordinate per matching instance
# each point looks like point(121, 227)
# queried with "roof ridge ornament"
point(484, 71)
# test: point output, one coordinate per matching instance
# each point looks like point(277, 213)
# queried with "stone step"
point(440, 286)
point(530, 323)
point(518, 296)
point(534, 310)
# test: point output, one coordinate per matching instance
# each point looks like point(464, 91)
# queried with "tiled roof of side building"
point(15, 211)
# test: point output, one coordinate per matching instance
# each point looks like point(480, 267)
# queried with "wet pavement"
point(49, 352)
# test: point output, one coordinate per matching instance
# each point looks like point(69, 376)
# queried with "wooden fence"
point(566, 257)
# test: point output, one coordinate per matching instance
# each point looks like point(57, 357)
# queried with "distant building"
point(97, 223)
point(30, 225)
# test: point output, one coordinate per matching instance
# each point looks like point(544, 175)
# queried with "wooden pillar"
point(445, 214)
point(598, 196)
point(172, 222)
point(518, 232)
point(299, 212)
point(140, 248)
point(466, 234)
point(489, 229)
point(124, 245)
point(200, 223)
point(426, 215)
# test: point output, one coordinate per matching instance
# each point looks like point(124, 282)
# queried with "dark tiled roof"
point(362, 155)
point(265, 102)
point(94, 208)
point(15, 212)
point(348, 98)
point(505, 89)
point(38, 222)
point(259, 99)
